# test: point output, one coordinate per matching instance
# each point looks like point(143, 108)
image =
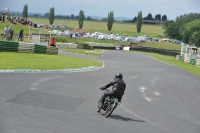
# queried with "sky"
point(101, 8)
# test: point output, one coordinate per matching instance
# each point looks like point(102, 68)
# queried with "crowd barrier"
point(9, 46)
point(66, 45)
point(188, 60)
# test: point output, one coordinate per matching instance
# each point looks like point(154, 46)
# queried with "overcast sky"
point(101, 8)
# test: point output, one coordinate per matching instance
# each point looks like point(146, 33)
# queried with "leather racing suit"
point(118, 89)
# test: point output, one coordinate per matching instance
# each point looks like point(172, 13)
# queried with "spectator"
point(52, 42)
point(9, 18)
point(3, 17)
point(20, 36)
point(6, 33)
point(11, 31)
point(30, 23)
point(35, 25)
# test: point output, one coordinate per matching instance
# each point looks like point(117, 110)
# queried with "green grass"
point(161, 45)
point(90, 26)
point(9, 60)
point(101, 26)
point(172, 60)
point(83, 51)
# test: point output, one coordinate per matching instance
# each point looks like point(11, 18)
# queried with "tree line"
point(81, 17)
point(186, 27)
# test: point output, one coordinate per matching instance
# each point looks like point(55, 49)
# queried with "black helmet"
point(119, 75)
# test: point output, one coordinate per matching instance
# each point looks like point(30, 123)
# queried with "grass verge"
point(172, 60)
point(90, 52)
point(161, 45)
point(10, 60)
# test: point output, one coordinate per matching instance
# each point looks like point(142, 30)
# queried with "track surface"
point(159, 98)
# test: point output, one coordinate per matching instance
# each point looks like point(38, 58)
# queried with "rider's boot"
point(99, 106)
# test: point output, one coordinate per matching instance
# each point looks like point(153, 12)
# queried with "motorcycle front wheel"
point(109, 110)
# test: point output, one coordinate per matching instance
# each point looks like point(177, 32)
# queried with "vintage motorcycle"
point(109, 105)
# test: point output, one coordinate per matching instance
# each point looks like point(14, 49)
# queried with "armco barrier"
point(66, 45)
point(105, 47)
point(156, 50)
point(187, 59)
point(193, 61)
point(177, 57)
point(52, 50)
point(39, 49)
point(145, 49)
point(198, 62)
point(9, 46)
point(26, 47)
point(181, 58)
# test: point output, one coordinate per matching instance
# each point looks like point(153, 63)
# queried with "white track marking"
point(142, 89)
point(43, 80)
point(153, 80)
point(152, 123)
point(148, 99)
point(133, 77)
point(189, 118)
point(156, 93)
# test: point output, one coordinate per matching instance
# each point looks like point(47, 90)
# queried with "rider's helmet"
point(119, 75)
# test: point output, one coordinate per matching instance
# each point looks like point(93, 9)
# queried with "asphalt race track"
point(159, 98)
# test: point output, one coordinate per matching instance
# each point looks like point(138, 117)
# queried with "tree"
point(196, 38)
point(46, 14)
point(89, 18)
point(110, 20)
point(171, 29)
point(139, 21)
point(149, 16)
point(36, 15)
point(185, 28)
point(51, 15)
point(72, 16)
point(158, 17)
point(191, 32)
point(135, 19)
point(183, 19)
point(164, 17)
point(25, 11)
point(81, 18)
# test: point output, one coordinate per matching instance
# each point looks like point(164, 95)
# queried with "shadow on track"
point(121, 118)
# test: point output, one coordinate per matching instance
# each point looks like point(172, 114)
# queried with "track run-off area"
point(159, 98)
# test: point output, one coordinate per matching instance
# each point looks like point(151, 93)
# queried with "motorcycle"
point(109, 105)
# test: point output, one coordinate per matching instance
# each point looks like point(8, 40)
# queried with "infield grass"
point(90, 52)
point(12, 60)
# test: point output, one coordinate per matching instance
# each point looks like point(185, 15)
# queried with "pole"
point(40, 34)
point(29, 34)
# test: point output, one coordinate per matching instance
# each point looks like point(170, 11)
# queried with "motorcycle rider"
point(118, 89)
